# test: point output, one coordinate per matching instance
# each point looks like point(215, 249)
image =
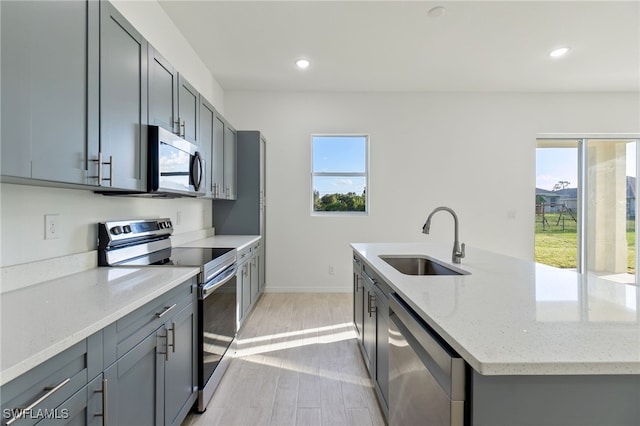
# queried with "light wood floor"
point(297, 363)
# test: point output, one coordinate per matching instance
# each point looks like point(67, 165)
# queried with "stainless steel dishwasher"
point(426, 378)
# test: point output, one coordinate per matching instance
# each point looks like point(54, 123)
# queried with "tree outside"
point(348, 202)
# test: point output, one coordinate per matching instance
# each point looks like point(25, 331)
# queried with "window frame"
point(365, 174)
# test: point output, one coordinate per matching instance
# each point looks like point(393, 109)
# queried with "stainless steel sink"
point(420, 265)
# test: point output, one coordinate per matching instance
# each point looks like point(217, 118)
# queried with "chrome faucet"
point(457, 253)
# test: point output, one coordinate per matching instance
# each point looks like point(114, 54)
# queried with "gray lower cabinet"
point(135, 382)
point(255, 273)
point(143, 367)
point(153, 381)
point(47, 49)
point(248, 279)
point(371, 320)
point(358, 298)
point(121, 162)
point(58, 391)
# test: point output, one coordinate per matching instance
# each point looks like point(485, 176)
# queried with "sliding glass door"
point(586, 205)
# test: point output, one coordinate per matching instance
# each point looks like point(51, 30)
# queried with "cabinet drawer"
point(45, 387)
point(244, 255)
point(131, 329)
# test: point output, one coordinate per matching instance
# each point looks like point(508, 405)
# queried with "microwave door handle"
point(197, 171)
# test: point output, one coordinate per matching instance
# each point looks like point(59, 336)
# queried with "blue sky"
point(339, 154)
point(556, 164)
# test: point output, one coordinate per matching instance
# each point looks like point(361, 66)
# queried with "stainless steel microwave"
point(175, 165)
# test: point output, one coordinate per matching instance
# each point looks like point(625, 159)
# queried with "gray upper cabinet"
point(123, 103)
point(207, 119)
point(46, 88)
point(217, 160)
point(222, 167)
point(188, 104)
point(163, 92)
point(173, 101)
point(230, 156)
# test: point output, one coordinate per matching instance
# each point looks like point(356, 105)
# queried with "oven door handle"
point(226, 276)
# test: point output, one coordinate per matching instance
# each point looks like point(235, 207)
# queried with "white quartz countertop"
point(238, 241)
point(516, 317)
point(42, 320)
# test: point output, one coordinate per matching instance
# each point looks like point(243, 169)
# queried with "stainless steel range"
point(147, 243)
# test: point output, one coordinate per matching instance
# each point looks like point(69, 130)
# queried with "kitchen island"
point(563, 344)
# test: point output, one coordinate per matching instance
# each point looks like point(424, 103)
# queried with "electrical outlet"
point(179, 218)
point(51, 226)
point(331, 271)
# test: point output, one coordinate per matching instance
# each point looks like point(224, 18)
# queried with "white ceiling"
point(395, 46)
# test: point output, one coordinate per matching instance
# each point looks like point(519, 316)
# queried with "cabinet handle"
point(166, 309)
point(180, 125)
point(103, 391)
point(173, 337)
point(50, 391)
point(370, 300)
point(166, 346)
point(100, 164)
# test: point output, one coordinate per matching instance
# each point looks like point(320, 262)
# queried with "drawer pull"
point(173, 335)
point(50, 391)
point(166, 309)
point(103, 391)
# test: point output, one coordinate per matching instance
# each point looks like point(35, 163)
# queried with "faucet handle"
point(461, 255)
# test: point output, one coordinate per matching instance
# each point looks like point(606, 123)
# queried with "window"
point(586, 206)
point(339, 174)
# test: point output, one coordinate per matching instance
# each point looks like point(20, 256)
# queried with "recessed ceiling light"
point(559, 52)
point(436, 12)
point(302, 63)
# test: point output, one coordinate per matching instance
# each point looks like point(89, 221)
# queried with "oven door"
point(217, 320)
point(175, 165)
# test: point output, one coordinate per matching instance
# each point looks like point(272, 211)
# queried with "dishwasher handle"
point(444, 364)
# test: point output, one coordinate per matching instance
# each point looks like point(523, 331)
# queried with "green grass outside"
point(556, 243)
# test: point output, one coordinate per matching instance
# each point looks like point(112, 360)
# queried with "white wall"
point(472, 152)
point(23, 207)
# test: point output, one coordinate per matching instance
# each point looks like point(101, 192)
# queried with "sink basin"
point(420, 265)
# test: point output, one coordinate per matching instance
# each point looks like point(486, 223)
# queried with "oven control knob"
point(116, 230)
point(161, 225)
point(126, 229)
point(168, 224)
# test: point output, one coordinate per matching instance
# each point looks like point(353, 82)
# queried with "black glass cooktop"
point(179, 256)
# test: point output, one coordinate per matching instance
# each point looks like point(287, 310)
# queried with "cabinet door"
point(382, 345)
point(84, 408)
point(163, 86)
point(45, 49)
point(136, 384)
point(207, 118)
point(181, 385)
point(217, 158)
point(369, 325)
point(229, 163)
point(123, 101)
point(188, 103)
point(255, 283)
point(246, 288)
point(358, 299)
